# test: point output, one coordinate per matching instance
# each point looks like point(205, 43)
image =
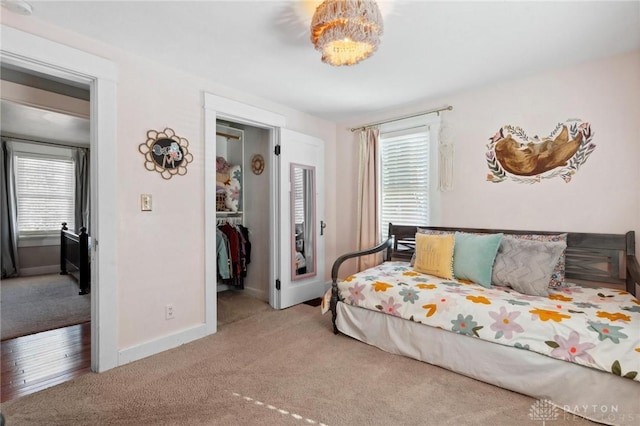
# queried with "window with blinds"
point(45, 188)
point(404, 178)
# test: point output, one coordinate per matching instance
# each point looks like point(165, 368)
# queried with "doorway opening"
point(261, 128)
point(25, 51)
point(46, 137)
point(243, 195)
point(271, 208)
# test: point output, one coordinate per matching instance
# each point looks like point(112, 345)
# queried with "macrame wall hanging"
point(445, 157)
point(513, 155)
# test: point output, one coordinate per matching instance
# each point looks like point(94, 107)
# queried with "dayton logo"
point(543, 410)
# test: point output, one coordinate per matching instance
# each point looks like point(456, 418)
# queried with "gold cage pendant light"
point(346, 31)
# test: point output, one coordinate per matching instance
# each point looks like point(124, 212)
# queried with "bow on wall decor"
point(513, 155)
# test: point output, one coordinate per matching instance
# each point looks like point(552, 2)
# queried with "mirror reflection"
point(303, 221)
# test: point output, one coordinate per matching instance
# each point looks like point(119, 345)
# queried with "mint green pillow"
point(473, 257)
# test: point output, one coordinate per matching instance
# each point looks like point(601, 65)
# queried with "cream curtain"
point(367, 220)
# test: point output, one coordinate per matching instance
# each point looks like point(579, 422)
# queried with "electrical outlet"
point(168, 312)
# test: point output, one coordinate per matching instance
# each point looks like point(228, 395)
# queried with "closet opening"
point(242, 200)
point(265, 194)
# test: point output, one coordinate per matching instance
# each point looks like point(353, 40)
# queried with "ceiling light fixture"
point(18, 6)
point(346, 31)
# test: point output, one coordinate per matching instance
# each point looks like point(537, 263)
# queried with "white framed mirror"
point(303, 221)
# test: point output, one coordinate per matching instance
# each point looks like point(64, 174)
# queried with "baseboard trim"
point(258, 294)
point(39, 270)
point(223, 287)
point(153, 347)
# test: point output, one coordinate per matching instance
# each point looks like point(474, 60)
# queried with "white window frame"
point(34, 150)
point(431, 122)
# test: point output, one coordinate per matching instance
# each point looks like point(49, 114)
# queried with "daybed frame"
point(600, 259)
point(74, 257)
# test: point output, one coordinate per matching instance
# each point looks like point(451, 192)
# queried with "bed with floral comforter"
point(593, 327)
point(526, 326)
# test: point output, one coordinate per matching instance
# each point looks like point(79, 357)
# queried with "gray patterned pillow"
point(526, 266)
point(557, 277)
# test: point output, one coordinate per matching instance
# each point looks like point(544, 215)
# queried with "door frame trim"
point(31, 52)
point(218, 107)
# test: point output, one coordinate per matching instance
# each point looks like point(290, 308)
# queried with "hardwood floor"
point(38, 361)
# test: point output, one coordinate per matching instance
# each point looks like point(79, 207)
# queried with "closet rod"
point(226, 135)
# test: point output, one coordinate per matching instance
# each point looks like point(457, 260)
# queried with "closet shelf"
point(221, 213)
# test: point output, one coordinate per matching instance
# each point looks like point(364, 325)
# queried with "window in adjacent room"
point(404, 159)
point(45, 190)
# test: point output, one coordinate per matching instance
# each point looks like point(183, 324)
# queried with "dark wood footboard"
point(74, 256)
point(388, 244)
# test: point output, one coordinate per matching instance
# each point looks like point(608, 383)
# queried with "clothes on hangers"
point(231, 220)
point(223, 258)
point(236, 243)
point(247, 244)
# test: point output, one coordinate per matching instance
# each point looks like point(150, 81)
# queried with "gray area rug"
point(275, 368)
point(34, 304)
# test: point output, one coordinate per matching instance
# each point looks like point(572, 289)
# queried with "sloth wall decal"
point(513, 155)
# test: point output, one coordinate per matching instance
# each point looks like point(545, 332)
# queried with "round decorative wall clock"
point(166, 153)
point(257, 164)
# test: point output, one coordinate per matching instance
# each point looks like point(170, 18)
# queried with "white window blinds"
point(404, 178)
point(298, 194)
point(45, 188)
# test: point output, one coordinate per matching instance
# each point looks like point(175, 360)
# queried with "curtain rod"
point(431, 111)
point(64, 145)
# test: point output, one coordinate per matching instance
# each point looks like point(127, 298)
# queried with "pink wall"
point(160, 254)
point(602, 197)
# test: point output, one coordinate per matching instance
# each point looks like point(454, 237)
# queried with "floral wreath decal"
point(166, 153)
point(511, 154)
point(257, 164)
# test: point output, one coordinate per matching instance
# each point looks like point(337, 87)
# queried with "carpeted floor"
point(275, 368)
point(235, 305)
point(33, 304)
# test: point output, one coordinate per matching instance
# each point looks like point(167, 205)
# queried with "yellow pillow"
point(434, 255)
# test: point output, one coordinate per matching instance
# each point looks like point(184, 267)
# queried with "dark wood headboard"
point(590, 257)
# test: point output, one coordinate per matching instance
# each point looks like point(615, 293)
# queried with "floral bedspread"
point(594, 327)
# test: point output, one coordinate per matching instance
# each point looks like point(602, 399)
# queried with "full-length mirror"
point(303, 219)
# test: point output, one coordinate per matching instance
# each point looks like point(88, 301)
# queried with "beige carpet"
point(235, 305)
point(33, 304)
point(275, 368)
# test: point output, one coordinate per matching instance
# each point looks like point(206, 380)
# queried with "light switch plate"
point(145, 202)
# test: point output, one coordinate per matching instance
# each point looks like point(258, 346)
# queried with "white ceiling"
point(24, 121)
point(429, 49)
